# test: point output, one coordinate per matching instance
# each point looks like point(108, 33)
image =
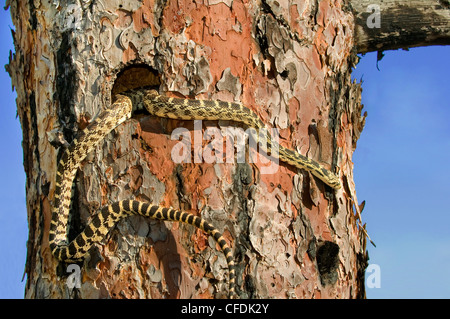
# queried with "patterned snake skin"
point(107, 217)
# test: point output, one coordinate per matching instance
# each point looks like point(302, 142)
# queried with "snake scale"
point(108, 216)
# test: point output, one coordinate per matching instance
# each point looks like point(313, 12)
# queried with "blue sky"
point(13, 215)
point(402, 170)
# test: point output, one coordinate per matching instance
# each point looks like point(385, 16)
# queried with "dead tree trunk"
point(292, 236)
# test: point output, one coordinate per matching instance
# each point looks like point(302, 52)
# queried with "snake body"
point(108, 216)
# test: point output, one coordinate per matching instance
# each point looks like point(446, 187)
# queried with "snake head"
point(335, 183)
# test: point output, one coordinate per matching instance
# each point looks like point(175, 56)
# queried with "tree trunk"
point(291, 235)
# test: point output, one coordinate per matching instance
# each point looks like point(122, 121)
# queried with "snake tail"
point(108, 216)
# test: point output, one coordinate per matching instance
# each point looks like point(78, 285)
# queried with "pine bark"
point(292, 236)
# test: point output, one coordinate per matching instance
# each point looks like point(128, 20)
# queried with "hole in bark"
point(328, 262)
point(284, 74)
point(135, 77)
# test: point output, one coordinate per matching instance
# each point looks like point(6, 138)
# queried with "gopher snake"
point(108, 216)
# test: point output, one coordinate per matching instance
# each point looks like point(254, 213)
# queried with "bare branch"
point(396, 24)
